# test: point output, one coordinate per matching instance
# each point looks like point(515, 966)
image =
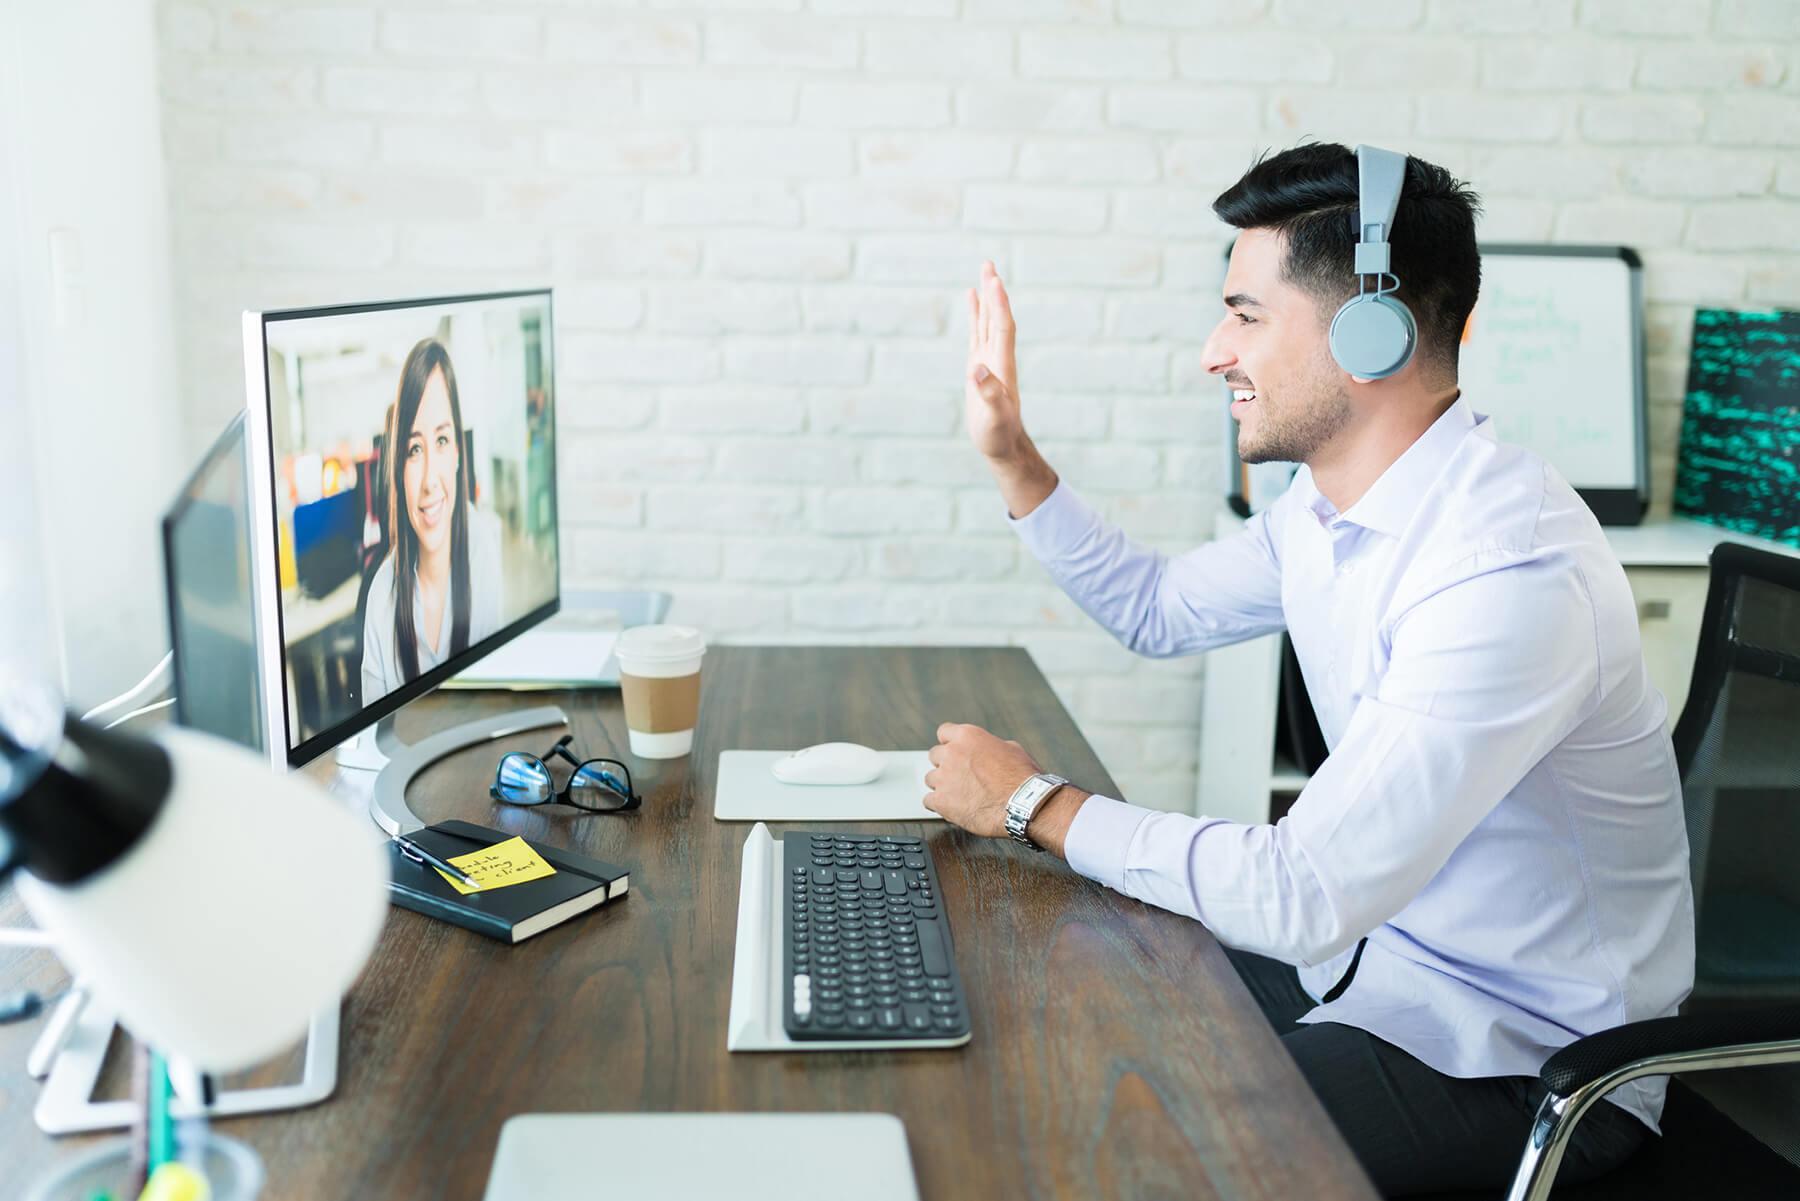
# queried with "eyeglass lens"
point(596, 785)
point(523, 780)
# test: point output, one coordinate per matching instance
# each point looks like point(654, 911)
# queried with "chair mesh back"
point(1738, 743)
point(1741, 784)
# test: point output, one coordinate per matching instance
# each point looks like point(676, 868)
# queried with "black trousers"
point(1414, 1129)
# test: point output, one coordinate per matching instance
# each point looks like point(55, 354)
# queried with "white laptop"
point(748, 1157)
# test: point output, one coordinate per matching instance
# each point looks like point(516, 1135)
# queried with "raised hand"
point(991, 380)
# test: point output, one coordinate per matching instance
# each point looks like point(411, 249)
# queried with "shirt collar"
point(1389, 504)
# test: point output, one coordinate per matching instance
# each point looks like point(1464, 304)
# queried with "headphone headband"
point(1379, 177)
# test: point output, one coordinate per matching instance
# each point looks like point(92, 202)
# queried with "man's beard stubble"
point(1294, 431)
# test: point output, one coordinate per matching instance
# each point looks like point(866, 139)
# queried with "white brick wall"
point(760, 214)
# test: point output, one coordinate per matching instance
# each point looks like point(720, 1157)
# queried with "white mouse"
point(830, 763)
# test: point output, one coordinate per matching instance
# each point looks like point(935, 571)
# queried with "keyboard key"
point(861, 1021)
point(932, 950)
point(912, 994)
point(890, 1019)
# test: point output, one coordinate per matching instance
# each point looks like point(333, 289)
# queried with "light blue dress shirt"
point(1500, 813)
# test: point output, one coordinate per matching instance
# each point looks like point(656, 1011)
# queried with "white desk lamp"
point(213, 905)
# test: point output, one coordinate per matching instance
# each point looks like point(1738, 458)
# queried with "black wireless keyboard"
point(868, 949)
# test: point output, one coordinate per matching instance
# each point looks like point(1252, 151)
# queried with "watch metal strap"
point(1024, 804)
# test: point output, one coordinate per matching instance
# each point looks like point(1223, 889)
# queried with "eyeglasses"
point(598, 785)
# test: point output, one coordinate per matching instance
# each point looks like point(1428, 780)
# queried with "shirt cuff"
point(1056, 525)
point(1099, 837)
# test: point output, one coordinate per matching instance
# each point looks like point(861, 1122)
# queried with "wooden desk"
point(1115, 1054)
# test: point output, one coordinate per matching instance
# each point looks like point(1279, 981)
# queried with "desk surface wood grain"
point(1115, 1052)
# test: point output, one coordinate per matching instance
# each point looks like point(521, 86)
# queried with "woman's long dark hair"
point(428, 356)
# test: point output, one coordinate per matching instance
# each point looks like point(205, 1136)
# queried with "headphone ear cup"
point(1373, 336)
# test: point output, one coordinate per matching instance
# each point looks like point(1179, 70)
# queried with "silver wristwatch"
point(1025, 801)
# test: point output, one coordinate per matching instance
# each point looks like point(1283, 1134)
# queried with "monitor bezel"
point(271, 632)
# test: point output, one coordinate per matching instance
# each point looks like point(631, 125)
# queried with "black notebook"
point(510, 914)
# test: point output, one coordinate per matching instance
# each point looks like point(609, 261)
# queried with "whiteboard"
point(1554, 354)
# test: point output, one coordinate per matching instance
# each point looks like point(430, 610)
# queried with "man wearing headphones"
point(1492, 862)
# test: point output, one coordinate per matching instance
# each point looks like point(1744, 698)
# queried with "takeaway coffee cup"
point(659, 673)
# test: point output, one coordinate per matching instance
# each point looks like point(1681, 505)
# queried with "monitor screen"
point(412, 457)
point(212, 612)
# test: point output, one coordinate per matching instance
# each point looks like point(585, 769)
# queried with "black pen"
point(419, 854)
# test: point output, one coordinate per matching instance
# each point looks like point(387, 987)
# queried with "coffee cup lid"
point(649, 644)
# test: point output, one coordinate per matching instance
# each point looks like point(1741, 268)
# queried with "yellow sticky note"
point(509, 862)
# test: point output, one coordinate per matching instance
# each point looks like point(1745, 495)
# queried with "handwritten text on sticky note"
point(504, 863)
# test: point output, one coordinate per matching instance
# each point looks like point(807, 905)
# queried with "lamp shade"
point(249, 902)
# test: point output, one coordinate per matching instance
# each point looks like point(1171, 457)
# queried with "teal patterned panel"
point(1739, 466)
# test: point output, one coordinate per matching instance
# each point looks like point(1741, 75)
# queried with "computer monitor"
point(403, 500)
point(212, 610)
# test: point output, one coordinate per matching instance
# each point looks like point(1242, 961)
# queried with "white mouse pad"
point(749, 792)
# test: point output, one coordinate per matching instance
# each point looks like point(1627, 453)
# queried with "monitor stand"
point(396, 762)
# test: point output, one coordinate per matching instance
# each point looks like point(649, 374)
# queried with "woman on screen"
point(437, 591)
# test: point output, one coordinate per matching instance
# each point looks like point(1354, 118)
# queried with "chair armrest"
point(1587, 1059)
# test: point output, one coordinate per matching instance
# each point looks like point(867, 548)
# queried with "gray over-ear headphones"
point(1373, 334)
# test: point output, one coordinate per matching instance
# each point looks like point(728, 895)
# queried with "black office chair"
point(1738, 748)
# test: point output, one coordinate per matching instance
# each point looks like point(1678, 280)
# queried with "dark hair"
point(1309, 195)
point(428, 356)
